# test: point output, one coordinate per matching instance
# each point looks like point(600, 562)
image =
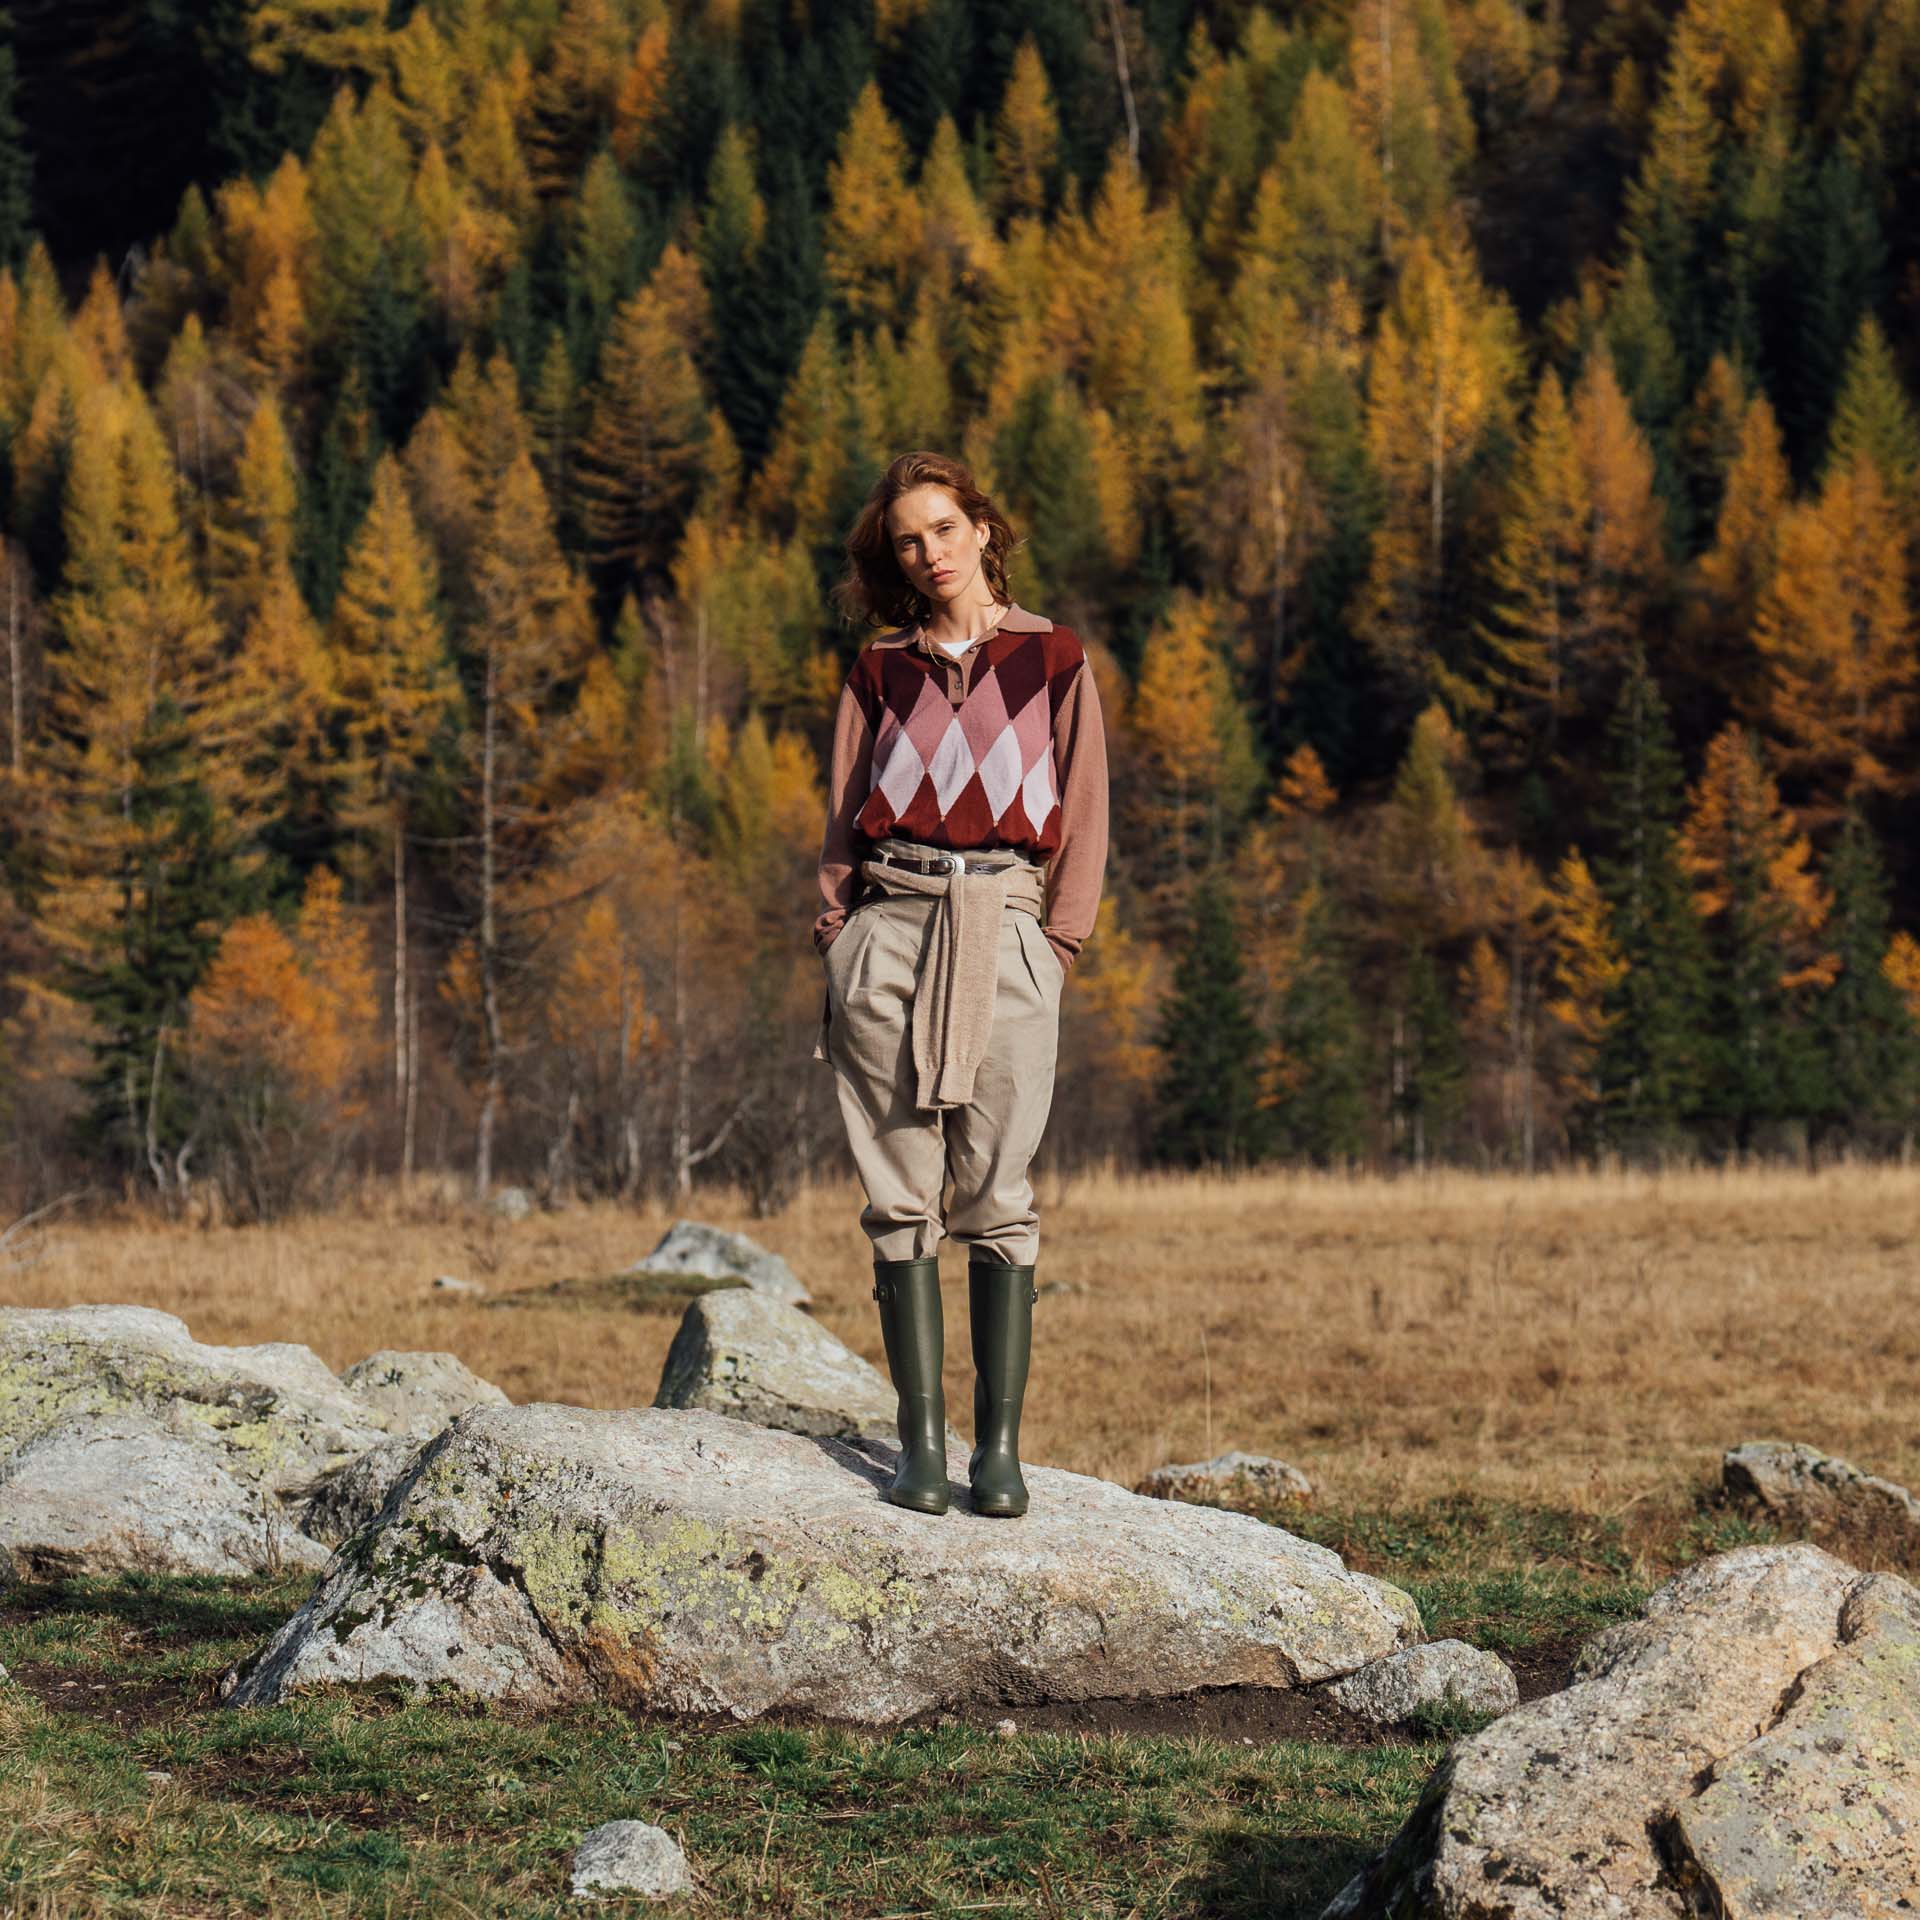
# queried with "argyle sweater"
point(1003, 747)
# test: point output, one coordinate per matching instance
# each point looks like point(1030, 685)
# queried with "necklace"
point(952, 646)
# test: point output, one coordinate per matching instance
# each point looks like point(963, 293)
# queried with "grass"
point(365, 1801)
point(358, 1803)
point(1511, 1395)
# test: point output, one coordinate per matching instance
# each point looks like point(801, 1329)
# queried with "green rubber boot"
point(1000, 1307)
point(911, 1326)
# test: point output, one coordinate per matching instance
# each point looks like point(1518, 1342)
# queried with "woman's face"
point(937, 546)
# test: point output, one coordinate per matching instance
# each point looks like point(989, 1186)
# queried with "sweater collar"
point(1016, 619)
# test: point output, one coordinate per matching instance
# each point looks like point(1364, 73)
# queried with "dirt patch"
point(127, 1705)
point(1263, 1715)
point(1546, 1666)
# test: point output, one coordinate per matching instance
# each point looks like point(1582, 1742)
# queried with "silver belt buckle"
point(956, 862)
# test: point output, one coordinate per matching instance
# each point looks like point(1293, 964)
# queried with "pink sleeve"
point(1080, 865)
point(847, 783)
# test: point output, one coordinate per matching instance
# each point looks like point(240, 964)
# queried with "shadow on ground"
point(1275, 1876)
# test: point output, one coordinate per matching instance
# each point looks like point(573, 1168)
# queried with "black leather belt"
point(940, 860)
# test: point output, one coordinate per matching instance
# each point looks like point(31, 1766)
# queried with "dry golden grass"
point(1587, 1340)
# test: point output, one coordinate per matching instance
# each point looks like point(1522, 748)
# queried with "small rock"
point(691, 1246)
point(5, 1676)
point(753, 1358)
point(513, 1203)
point(449, 1284)
point(1238, 1480)
point(629, 1856)
point(1800, 1486)
point(159, 1776)
point(1438, 1674)
point(1005, 1729)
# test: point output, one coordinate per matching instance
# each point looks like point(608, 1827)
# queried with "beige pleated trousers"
point(907, 1158)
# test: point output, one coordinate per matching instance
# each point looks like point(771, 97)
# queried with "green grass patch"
point(357, 1802)
point(372, 1802)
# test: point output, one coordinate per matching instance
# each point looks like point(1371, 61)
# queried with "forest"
point(1474, 438)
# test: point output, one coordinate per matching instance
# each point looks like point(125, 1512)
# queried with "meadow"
point(1511, 1394)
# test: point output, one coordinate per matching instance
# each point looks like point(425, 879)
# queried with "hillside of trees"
point(1476, 439)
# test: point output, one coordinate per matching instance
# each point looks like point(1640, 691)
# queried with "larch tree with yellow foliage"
point(1026, 136)
point(279, 1053)
point(154, 807)
point(1835, 633)
point(393, 688)
point(1581, 1004)
point(1194, 756)
point(875, 226)
point(1764, 911)
point(1440, 386)
point(528, 643)
point(641, 456)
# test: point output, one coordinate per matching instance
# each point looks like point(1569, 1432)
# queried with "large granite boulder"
point(127, 1444)
point(754, 1358)
point(684, 1561)
point(127, 1494)
point(1750, 1746)
point(691, 1246)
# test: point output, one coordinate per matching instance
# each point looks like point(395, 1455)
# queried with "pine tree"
point(1872, 416)
point(531, 636)
point(1207, 1108)
point(1430, 1080)
point(1839, 252)
point(1764, 913)
point(1319, 1106)
point(1652, 1065)
point(1869, 1041)
point(154, 800)
point(640, 456)
point(1537, 575)
point(16, 163)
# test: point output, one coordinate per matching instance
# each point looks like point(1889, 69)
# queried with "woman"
point(965, 845)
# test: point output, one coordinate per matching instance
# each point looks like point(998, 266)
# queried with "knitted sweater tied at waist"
point(960, 964)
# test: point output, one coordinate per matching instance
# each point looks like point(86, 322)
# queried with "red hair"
point(873, 589)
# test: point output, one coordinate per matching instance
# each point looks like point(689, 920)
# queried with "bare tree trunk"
point(489, 959)
point(1397, 1081)
point(627, 1153)
point(13, 660)
point(682, 1059)
point(399, 961)
point(1386, 130)
point(1125, 77)
point(408, 1132)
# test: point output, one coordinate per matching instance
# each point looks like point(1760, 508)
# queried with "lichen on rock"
point(689, 1562)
